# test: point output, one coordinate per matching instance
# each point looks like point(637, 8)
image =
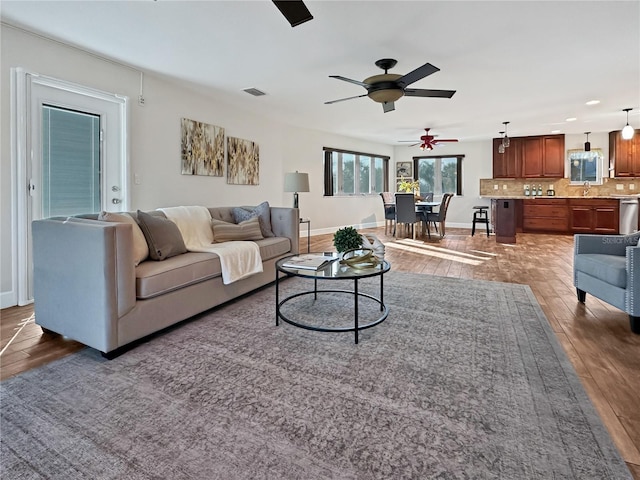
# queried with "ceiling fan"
point(429, 141)
point(295, 11)
point(386, 88)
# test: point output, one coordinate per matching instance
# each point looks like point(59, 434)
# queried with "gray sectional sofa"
point(88, 288)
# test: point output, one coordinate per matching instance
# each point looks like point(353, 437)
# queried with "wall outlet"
point(632, 186)
point(137, 179)
point(495, 187)
point(619, 186)
point(141, 100)
point(504, 187)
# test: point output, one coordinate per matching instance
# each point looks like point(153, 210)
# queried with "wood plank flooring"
point(595, 336)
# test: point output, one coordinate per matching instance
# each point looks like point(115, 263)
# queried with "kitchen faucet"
point(587, 187)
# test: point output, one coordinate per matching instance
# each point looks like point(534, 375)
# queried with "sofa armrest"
point(285, 222)
point(604, 244)
point(84, 278)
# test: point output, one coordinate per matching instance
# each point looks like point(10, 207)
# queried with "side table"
point(308, 222)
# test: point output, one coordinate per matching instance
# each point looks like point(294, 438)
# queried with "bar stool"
point(480, 216)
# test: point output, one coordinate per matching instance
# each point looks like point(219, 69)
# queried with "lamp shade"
point(296, 182)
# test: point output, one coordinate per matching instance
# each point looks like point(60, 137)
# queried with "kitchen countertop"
point(560, 197)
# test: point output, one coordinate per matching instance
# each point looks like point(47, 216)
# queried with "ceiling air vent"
point(254, 91)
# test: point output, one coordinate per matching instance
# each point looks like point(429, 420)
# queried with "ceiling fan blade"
point(445, 140)
point(343, 99)
point(419, 92)
point(295, 11)
point(388, 107)
point(350, 80)
point(418, 74)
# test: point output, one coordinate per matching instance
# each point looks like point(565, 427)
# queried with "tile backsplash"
point(515, 187)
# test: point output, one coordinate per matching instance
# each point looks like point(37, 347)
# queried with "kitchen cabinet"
point(594, 215)
point(543, 156)
point(509, 163)
point(624, 155)
point(530, 157)
point(545, 215)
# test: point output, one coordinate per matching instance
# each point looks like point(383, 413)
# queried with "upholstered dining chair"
point(440, 216)
point(406, 213)
point(389, 203)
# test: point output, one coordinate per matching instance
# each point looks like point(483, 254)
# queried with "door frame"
point(22, 158)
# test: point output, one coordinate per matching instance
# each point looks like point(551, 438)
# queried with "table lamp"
point(296, 182)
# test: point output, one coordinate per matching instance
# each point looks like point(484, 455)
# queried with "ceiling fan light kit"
point(386, 88)
point(627, 131)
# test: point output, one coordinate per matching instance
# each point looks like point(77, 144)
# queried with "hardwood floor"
point(595, 336)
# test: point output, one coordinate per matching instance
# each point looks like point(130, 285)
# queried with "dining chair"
point(440, 216)
point(389, 203)
point(406, 213)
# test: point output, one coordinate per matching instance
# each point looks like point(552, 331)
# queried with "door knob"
point(116, 201)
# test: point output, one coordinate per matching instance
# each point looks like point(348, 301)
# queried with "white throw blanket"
point(238, 260)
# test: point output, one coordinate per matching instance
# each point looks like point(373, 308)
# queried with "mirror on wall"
point(585, 166)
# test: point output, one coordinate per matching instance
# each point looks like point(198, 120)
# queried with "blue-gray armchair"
point(608, 267)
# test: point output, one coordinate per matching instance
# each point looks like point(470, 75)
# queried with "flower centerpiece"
point(408, 185)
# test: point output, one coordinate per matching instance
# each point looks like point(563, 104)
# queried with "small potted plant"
point(346, 238)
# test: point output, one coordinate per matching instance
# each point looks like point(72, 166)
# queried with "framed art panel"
point(243, 159)
point(202, 148)
point(404, 169)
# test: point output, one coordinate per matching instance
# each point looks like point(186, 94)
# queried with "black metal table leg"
point(355, 281)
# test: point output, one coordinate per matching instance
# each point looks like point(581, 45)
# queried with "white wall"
point(154, 144)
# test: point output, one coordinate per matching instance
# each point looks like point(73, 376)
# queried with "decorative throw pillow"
point(162, 235)
point(262, 211)
point(226, 232)
point(140, 247)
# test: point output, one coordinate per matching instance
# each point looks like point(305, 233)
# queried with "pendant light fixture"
point(505, 140)
point(627, 131)
point(501, 146)
point(587, 144)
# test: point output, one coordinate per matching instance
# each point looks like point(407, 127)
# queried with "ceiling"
point(534, 64)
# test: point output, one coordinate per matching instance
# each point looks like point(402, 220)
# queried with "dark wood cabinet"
point(545, 215)
point(594, 215)
point(624, 155)
point(530, 157)
point(509, 163)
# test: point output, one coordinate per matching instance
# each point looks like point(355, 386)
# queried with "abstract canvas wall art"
point(243, 162)
point(202, 148)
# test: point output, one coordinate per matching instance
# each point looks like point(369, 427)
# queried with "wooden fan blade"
point(343, 99)
point(445, 140)
point(350, 80)
point(295, 11)
point(417, 74)
point(418, 92)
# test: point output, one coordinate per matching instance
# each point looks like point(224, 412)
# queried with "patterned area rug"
point(464, 380)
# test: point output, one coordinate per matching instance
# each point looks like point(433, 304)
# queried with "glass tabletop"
point(333, 270)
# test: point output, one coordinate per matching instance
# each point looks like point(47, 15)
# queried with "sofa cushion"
point(140, 247)
point(157, 278)
point(162, 235)
point(226, 232)
point(631, 239)
point(262, 211)
point(611, 269)
point(273, 247)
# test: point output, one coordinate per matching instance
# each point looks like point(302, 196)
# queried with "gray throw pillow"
point(162, 235)
point(262, 211)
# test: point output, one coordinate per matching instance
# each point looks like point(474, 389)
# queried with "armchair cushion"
point(609, 268)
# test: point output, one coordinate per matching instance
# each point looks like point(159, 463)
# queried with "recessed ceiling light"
point(593, 102)
point(570, 119)
point(556, 131)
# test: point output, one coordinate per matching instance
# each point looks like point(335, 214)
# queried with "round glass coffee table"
point(333, 271)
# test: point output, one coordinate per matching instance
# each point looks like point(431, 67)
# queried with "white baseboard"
point(8, 299)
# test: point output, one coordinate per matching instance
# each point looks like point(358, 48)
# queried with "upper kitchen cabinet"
point(543, 156)
point(530, 157)
point(624, 155)
point(509, 163)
